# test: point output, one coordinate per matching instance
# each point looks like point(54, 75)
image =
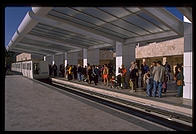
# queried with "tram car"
point(32, 69)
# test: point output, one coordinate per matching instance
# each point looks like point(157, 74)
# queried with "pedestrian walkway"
point(31, 106)
point(168, 101)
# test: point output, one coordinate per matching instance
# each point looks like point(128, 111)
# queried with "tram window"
point(28, 66)
point(24, 65)
point(36, 68)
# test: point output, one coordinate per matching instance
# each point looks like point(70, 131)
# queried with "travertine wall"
point(23, 56)
point(166, 48)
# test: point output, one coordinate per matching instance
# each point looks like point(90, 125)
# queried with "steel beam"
point(68, 27)
point(92, 31)
point(52, 41)
point(166, 18)
point(39, 47)
point(152, 37)
point(27, 51)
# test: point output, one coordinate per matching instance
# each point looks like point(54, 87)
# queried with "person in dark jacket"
point(54, 67)
point(75, 72)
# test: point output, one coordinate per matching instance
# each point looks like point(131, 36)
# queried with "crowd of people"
point(153, 79)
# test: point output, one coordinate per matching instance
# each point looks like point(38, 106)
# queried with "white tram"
point(32, 69)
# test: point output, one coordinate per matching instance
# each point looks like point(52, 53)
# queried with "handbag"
point(179, 82)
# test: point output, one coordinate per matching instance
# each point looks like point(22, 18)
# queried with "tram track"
point(147, 112)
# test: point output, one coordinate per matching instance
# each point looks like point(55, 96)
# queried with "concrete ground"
point(30, 106)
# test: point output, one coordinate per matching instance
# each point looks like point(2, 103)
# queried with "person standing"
point(89, 74)
point(137, 74)
point(55, 70)
point(133, 74)
point(180, 82)
point(148, 80)
point(79, 72)
point(70, 72)
point(105, 75)
point(123, 72)
point(158, 73)
point(95, 74)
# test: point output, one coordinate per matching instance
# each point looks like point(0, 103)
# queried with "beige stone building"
point(171, 51)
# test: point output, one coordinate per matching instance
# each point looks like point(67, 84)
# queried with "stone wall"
point(166, 48)
point(23, 56)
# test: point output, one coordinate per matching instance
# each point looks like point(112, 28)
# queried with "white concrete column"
point(164, 60)
point(118, 56)
point(93, 56)
point(187, 69)
point(65, 59)
point(49, 59)
point(143, 60)
point(53, 60)
point(72, 58)
point(44, 58)
point(128, 54)
point(85, 54)
point(58, 61)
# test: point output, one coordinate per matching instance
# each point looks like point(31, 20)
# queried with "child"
point(131, 85)
point(113, 81)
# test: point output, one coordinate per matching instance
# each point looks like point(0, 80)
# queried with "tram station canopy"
point(55, 30)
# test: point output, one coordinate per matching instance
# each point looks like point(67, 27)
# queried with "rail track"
point(132, 108)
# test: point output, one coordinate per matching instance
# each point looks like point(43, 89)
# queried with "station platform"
point(31, 105)
point(168, 102)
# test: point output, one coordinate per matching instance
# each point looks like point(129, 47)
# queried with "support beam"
point(27, 51)
point(100, 46)
point(85, 57)
point(118, 56)
point(51, 41)
point(65, 59)
point(53, 60)
point(38, 47)
point(187, 69)
point(166, 18)
point(93, 56)
point(152, 37)
point(99, 34)
point(44, 58)
point(128, 55)
point(69, 27)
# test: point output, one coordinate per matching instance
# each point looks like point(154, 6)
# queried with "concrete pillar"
point(85, 54)
point(44, 58)
point(118, 56)
point(93, 56)
point(72, 58)
point(49, 59)
point(187, 69)
point(143, 60)
point(58, 61)
point(128, 54)
point(164, 60)
point(53, 60)
point(65, 59)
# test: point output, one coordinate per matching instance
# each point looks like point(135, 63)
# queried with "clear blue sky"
point(15, 15)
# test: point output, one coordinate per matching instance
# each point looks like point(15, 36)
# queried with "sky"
point(15, 15)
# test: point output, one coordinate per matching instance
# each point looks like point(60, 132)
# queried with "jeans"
point(149, 87)
point(180, 88)
point(155, 85)
point(79, 76)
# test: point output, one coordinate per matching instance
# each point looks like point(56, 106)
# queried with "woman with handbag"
point(180, 82)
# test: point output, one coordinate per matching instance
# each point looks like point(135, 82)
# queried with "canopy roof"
point(55, 30)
